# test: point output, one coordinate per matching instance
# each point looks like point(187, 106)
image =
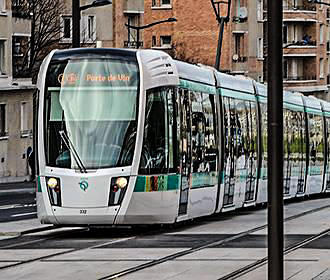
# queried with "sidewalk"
point(15, 188)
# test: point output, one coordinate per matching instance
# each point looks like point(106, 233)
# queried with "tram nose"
point(90, 191)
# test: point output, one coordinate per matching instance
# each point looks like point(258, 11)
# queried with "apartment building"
point(306, 47)
point(16, 95)
point(194, 38)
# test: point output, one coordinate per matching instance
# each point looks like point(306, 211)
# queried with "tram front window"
point(91, 113)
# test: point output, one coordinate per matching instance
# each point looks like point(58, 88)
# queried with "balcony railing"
point(298, 43)
point(240, 59)
point(299, 8)
point(299, 78)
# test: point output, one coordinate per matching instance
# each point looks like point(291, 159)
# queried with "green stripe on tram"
point(197, 87)
point(39, 184)
point(157, 183)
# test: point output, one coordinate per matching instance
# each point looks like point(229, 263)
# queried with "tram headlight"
point(54, 190)
point(118, 188)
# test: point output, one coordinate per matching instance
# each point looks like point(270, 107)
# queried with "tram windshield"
point(91, 113)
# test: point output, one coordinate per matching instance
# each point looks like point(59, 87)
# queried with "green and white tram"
point(135, 137)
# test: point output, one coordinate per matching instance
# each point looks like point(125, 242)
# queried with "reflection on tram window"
point(81, 116)
point(204, 150)
point(157, 151)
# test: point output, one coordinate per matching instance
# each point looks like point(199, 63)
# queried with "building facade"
point(244, 50)
point(306, 47)
point(16, 96)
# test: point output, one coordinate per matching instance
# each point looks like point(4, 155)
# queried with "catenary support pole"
point(275, 140)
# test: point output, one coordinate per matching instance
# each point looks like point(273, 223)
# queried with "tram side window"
point(204, 151)
point(157, 151)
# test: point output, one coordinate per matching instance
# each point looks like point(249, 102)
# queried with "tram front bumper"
point(80, 216)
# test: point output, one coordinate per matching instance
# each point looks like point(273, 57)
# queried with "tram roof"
point(313, 103)
point(194, 73)
point(234, 82)
point(94, 52)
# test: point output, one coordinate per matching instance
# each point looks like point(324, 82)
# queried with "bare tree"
point(180, 51)
point(44, 16)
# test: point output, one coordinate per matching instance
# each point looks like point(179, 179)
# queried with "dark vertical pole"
point(75, 23)
point(217, 61)
point(137, 38)
point(275, 141)
point(129, 32)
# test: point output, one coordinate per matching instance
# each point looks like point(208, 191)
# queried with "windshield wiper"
point(72, 149)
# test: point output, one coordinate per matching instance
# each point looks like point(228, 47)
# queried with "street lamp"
point(318, 2)
point(221, 20)
point(76, 9)
point(138, 28)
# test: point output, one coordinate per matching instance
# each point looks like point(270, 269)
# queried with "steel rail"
point(208, 245)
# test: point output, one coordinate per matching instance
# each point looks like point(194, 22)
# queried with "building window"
point(260, 48)
point(154, 3)
point(20, 51)
point(91, 28)
point(2, 57)
point(3, 124)
point(165, 2)
point(321, 68)
point(321, 33)
point(166, 41)
point(260, 10)
point(153, 41)
point(239, 46)
point(24, 120)
point(66, 27)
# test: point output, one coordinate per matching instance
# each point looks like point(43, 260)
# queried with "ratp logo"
point(83, 184)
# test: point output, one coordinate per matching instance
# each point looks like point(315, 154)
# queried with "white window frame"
point(25, 132)
point(165, 46)
point(3, 7)
point(166, 4)
point(260, 10)
point(321, 68)
point(321, 33)
point(92, 36)
point(63, 17)
point(260, 48)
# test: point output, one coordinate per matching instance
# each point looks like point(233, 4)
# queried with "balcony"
point(299, 78)
point(300, 48)
point(303, 7)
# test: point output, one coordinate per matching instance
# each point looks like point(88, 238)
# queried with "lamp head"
point(98, 3)
point(172, 19)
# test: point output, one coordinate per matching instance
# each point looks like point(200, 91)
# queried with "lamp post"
point(319, 2)
point(138, 28)
point(221, 20)
point(76, 10)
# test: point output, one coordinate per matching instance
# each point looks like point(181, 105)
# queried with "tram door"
point(232, 132)
point(185, 149)
point(327, 175)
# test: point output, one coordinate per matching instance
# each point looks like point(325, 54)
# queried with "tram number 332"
point(83, 211)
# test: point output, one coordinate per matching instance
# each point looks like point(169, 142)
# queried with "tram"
point(136, 137)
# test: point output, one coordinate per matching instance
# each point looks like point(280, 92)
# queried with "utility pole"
point(275, 140)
